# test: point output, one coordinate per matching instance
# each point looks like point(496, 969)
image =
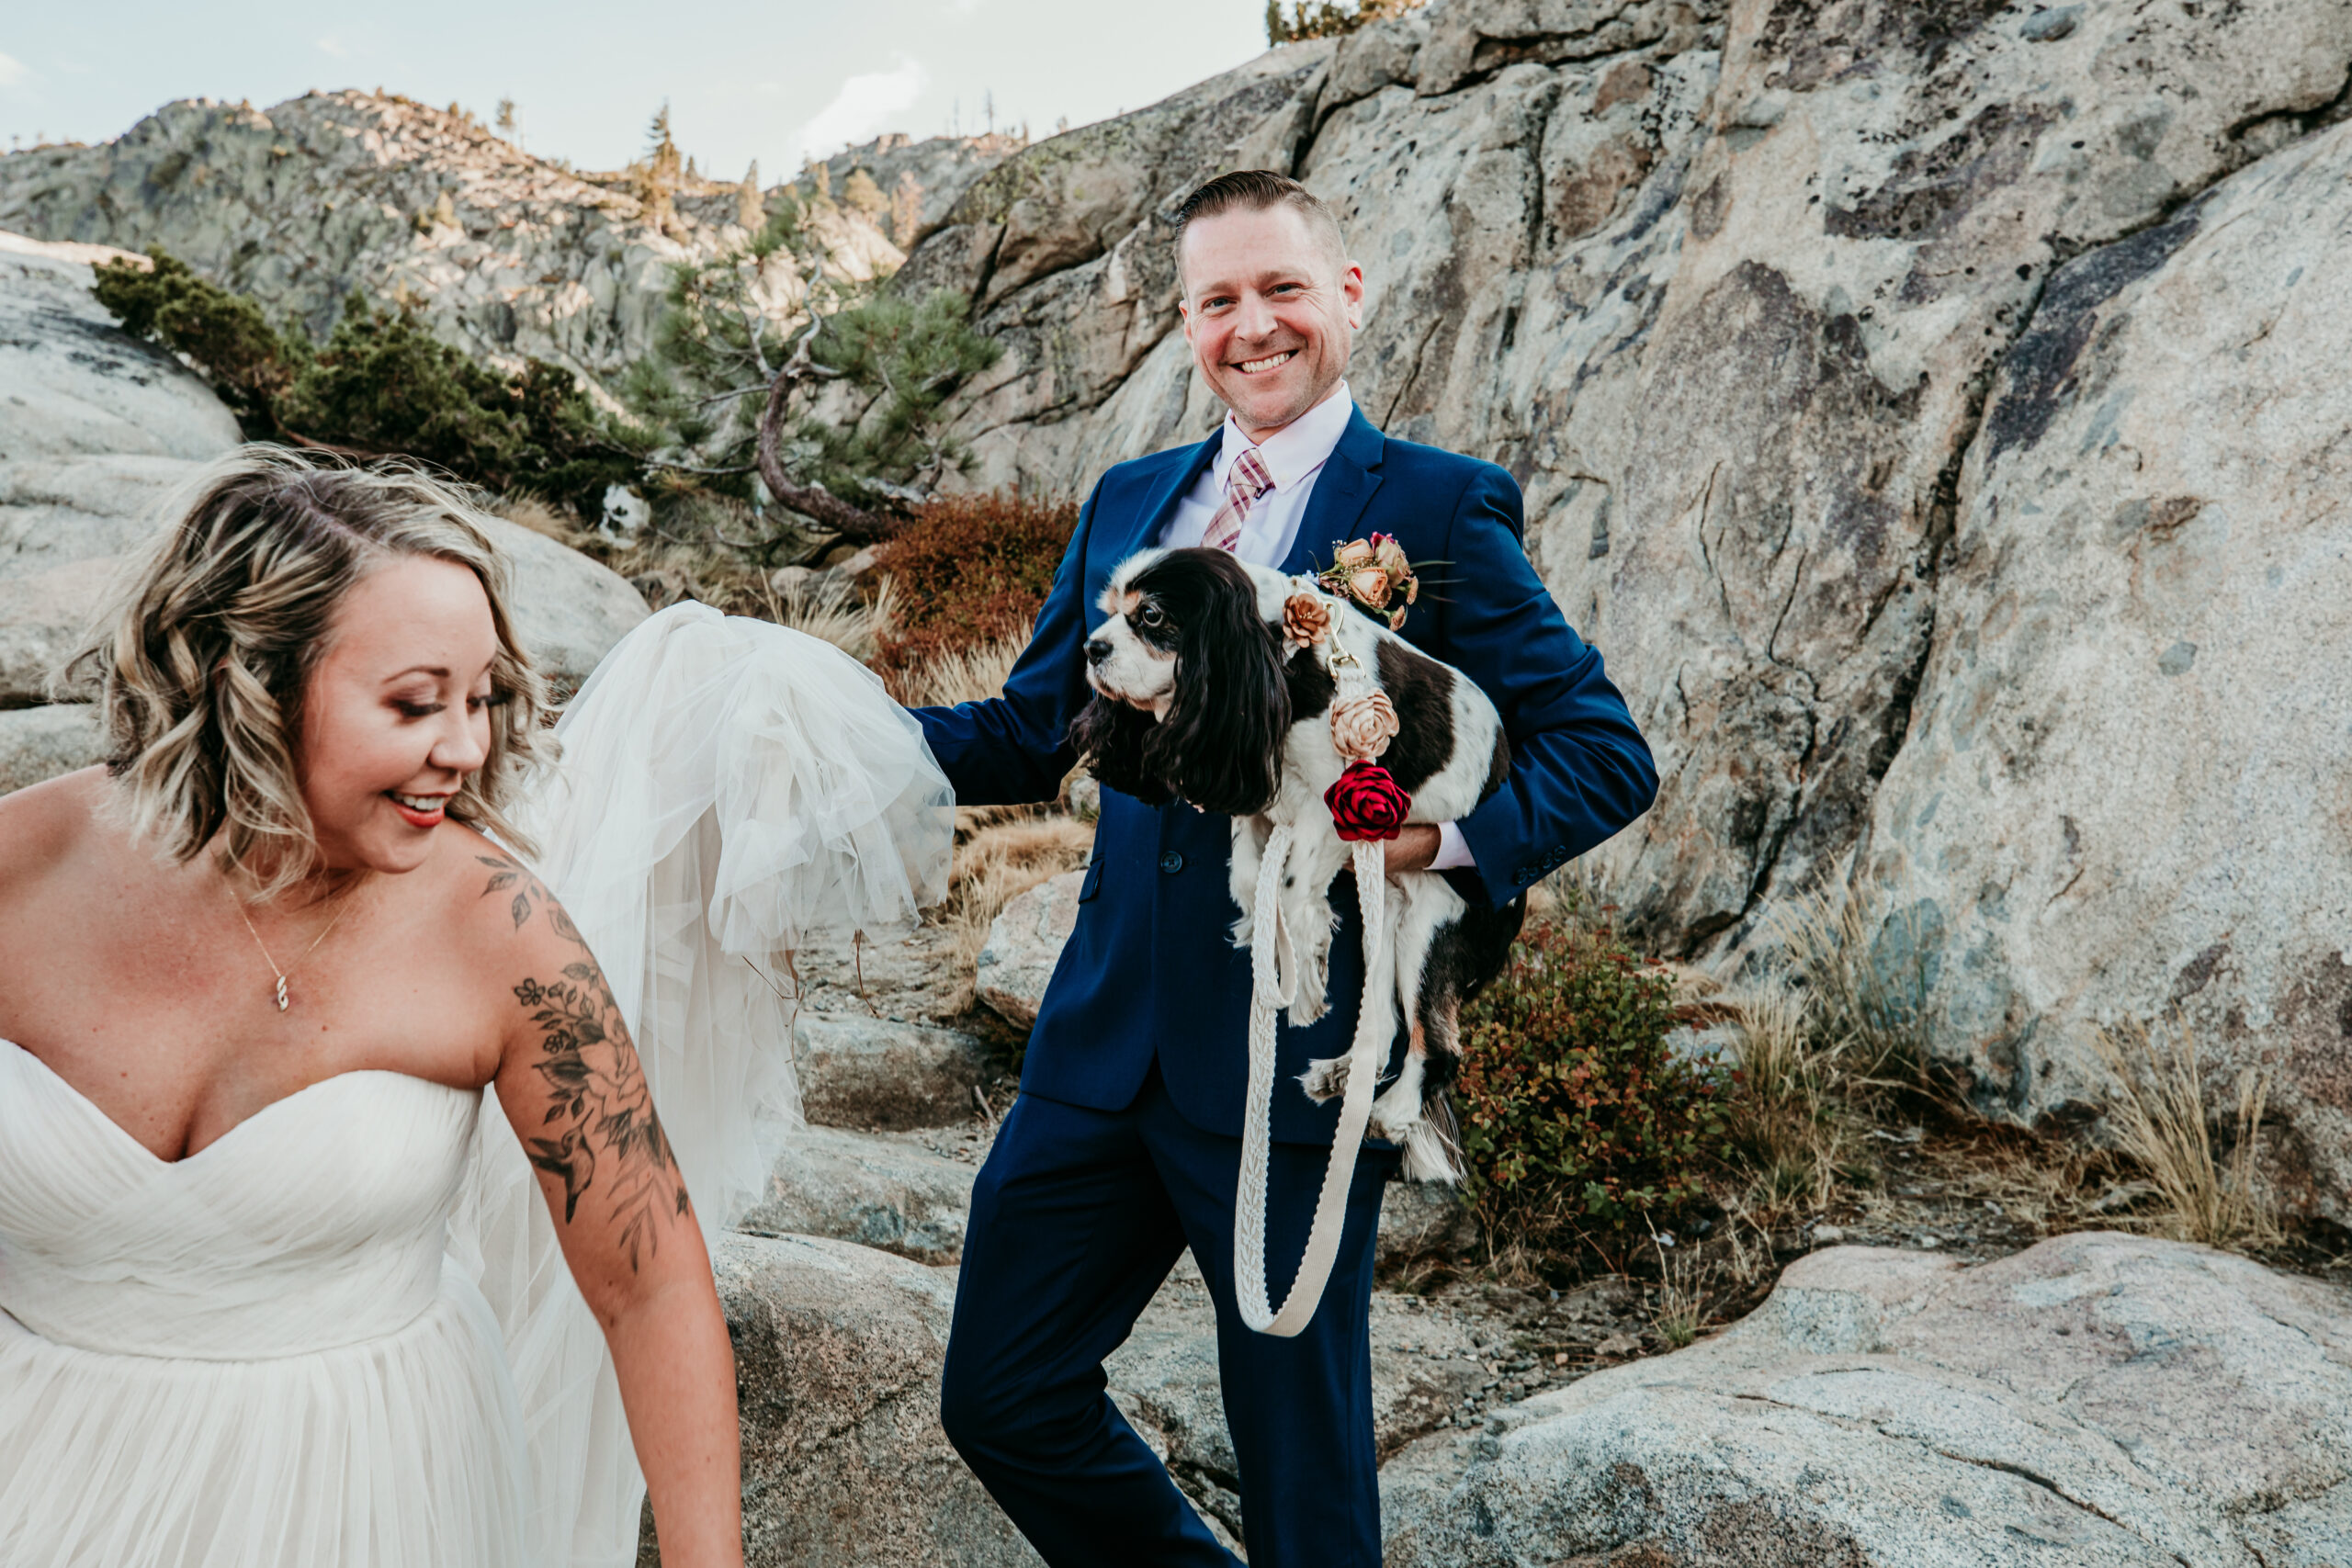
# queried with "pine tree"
point(658, 174)
point(906, 211)
point(861, 195)
point(750, 212)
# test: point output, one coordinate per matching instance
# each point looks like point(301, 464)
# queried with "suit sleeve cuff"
point(1452, 850)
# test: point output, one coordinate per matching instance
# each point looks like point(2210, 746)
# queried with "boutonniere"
point(1374, 574)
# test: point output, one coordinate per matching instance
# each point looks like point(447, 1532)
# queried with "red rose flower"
point(1366, 803)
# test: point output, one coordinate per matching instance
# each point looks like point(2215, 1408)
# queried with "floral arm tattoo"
point(601, 1122)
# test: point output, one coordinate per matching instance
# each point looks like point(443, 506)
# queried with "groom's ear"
point(1110, 737)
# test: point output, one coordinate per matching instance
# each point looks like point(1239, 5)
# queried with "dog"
point(1199, 694)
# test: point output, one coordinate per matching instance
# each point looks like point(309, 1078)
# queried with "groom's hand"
point(1413, 848)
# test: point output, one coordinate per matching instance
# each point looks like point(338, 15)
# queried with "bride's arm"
point(570, 1083)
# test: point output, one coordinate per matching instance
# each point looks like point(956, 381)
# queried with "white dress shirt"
point(1293, 456)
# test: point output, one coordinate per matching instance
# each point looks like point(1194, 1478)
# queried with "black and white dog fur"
point(1197, 697)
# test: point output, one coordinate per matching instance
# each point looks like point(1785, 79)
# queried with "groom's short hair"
point(1256, 190)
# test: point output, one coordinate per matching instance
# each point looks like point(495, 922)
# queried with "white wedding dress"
point(342, 1335)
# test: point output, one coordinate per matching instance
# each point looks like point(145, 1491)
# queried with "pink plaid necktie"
point(1248, 482)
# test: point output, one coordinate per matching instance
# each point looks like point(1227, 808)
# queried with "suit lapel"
point(1160, 504)
point(1342, 493)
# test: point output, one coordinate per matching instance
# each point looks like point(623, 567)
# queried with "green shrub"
point(383, 384)
point(1575, 1118)
point(246, 359)
point(971, 569)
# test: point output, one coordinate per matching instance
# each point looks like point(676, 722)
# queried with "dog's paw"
point(1325, 1080)
point(1428, 1157)
point(1309, 1004)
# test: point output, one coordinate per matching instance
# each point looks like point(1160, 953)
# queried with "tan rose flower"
point(1370, 585)
point(1390, 555)
point(1355, 552)
point(1363, 727)
point(1412, 590)
point(1306, 619)
point(1396, 621)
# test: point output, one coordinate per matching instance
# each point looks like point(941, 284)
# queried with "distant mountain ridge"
point(505, 253)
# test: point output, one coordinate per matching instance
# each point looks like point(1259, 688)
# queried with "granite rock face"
point(72, 384)
point(2097, 1399)
point(2125, 789)
point(1777, 310)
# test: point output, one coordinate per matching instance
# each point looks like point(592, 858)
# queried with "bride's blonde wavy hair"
point(202, 660)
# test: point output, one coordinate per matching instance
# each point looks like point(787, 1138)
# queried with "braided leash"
point(1375, 1028)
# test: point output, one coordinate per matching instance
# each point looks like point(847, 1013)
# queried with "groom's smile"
point(1270, 308)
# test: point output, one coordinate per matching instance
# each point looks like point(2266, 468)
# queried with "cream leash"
point(1375, 1029)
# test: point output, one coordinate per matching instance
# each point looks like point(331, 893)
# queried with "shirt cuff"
point(1452, 850)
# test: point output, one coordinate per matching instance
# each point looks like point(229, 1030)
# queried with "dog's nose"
point(1097, 650)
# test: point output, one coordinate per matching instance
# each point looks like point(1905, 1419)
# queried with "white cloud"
point(863, 106)
point(330, 45)
point(12, 70)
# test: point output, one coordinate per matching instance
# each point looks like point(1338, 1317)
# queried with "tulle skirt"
point(403, 1451)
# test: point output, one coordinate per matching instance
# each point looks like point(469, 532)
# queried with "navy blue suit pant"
point(1076, 1218)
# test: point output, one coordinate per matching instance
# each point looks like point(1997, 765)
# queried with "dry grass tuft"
point(961, 675)
point(1874, 1012)
point(2164, 1123)
point(832, 610)
point(1681, 1298)
point(530, 512)
point(1791, 1108)
point(996, 863)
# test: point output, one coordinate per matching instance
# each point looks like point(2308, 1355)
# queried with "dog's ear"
point(1111, 737)
point(1221, 744)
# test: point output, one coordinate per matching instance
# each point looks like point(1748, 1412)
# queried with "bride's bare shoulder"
point(54, 823)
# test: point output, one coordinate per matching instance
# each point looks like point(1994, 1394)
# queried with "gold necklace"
point(344, 902)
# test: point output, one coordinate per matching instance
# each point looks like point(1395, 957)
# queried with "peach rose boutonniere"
point(1374, 574)
point(1363, 727)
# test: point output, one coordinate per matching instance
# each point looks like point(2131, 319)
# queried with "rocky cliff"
point(1930, 409)
point(506, 255)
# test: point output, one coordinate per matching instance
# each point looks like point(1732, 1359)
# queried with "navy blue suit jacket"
point(1151, 970)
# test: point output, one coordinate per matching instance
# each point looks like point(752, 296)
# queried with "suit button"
point(1172, 862)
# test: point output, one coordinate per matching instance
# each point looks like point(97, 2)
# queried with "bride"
point(280, 1284)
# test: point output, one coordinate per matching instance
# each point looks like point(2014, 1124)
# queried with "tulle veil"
point(728, 793)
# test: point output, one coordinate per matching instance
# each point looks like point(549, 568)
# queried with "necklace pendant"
point(281, 993)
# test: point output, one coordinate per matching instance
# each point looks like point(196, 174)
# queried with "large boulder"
point(858, 1070)
point(897, 1192)
point(2097, 1399)
point(41, 742)
point(838, 1350)
point(2125, 789)
point(1026, 941)
point(71, 383)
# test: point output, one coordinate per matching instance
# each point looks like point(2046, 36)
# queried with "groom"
point(1124, 1146)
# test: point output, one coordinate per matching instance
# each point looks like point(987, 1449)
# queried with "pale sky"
point(766, 79)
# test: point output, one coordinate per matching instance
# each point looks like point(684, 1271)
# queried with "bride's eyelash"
point(418, 710)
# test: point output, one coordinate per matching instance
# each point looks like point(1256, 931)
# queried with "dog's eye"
point(1150, 616)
